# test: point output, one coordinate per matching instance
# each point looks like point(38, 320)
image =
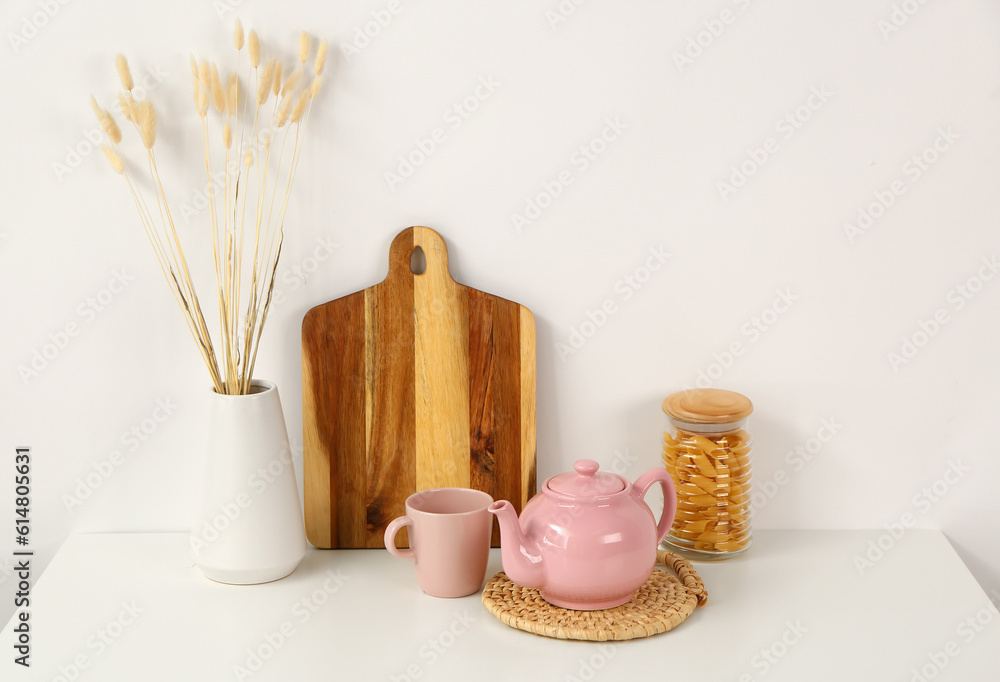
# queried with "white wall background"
point(64, 231)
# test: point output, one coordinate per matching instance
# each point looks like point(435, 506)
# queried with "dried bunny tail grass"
point(147, 123)
point(201, 101)
point(124, 105)
point(253, 45)
point(113, 159)
point(276, 83)
point(107, 122)
point(232, 95)
point(218, 96)
point(264, 84)
point(98, 112)
point(292, 81)
point(133, 111)
point(205, 75)
point(281, 117)
point(240, 333)
point(127, 104)
point(320, 58)
point(124, 73)
point(303, 47)
point(300, 106)
point(112, 129)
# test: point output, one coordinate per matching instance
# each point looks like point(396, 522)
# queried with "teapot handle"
point(642, 486)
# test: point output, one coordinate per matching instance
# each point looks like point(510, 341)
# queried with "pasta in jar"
point(707, 453)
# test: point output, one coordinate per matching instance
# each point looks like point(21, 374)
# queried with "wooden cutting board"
point(415, 383)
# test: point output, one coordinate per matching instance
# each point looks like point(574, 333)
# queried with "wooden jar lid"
point(707, 406)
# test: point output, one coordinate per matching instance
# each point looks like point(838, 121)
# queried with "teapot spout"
point(522, 562)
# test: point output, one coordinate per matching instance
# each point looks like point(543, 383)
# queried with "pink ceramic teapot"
point(588, 541)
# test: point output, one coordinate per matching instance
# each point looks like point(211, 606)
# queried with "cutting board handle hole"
point(418, 261)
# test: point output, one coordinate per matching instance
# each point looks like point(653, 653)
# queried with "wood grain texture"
point(333, 351)
point(390, 455)
point(417, 382)
point(481, 441)
point(441, 315)
point(506, 387)
point(529, 383)
point(316, 468)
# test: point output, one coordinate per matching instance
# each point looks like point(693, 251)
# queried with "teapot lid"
point(587, 481)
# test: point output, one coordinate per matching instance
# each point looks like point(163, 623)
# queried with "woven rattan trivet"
point(661, 604)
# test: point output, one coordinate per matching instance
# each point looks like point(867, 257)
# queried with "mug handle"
point(390, 538)
point(642, 486)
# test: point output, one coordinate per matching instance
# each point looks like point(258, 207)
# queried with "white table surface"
point(371, 622)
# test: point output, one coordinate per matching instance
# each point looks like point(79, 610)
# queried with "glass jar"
point(707, 453)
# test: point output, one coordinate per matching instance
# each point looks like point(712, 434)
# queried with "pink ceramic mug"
point(449, 531)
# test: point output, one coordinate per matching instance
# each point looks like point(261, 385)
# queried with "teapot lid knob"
point(586, 481)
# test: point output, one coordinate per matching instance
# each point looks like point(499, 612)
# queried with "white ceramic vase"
point(249, 526)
